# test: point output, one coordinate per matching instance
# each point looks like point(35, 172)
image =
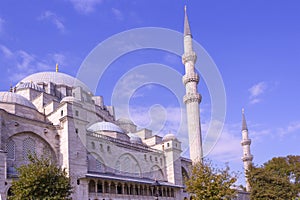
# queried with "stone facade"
point(55, 116)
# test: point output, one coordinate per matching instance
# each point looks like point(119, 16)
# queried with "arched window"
point(99, 187)
point(92, 186)
point(28, 147)
point(10, 149)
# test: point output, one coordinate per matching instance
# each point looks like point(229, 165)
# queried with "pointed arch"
point(128, 164)
point(157, 173)
point(95, 163)
point(184, 175)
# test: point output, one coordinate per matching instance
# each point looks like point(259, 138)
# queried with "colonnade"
point(99, 186)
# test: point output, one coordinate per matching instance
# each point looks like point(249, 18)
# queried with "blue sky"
point(255, 45)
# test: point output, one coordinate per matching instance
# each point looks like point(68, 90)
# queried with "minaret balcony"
point(193, 77)
point(246, 142)
point(188, 98)
point(247, 158)
point(189, 56)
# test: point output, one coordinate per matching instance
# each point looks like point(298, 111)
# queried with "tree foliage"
point(41, 179)
point(278, 178)
point(210, 183)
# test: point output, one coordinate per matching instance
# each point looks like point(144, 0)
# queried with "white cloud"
point(223, 147)
point(53, 18)
point(85, 6)
point(58, 58)
point(118, 14)
point(292, 127)
point(5, 51)
point(255, 100)
point(21, 63)
point(256, 91)
point(24, 60)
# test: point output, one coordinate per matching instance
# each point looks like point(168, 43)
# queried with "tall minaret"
point(247, 157)
point(192, 98)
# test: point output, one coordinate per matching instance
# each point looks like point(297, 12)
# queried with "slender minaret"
point(192, 98)
point(247, 157)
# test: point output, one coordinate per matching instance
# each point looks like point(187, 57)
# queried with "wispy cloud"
point(292, 127)
point(2, 21)
point(256, 91)
point(5, 51)
point(85, 6)
point(21, 63)
point(54, 19)
point(118, 14)
point(224, 147)
point(58, 58)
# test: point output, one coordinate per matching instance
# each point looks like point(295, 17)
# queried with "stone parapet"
point(247, 158)
point(188, 98)
point(193, 77)
point(189, 56)
point(246, 142)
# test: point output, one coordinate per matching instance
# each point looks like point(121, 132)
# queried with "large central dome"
point(56, 78)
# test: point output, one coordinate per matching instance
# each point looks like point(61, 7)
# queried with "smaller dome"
point(105, 126)
point(13, 98)
point(69, 99)
point(168, 137)
point(124, 121)
point(25, 85)
point(135, 138)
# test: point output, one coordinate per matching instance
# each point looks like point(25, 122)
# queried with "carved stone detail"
point(190, 56)
point(188, 98)
point(190, 78)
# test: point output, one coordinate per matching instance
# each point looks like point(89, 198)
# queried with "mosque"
point(56, 115)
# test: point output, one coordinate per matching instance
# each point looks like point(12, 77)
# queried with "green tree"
point(41, 179)
point(278, 178)
point(210, 183)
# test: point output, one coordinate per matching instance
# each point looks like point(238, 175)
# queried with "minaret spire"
point(244, 123)
point(246, 142)
point(187, 29)
point(192, 98)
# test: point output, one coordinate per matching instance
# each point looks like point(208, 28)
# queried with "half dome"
point(13, 98)
point(69, 99)
point(105, 126)
point(135, 138)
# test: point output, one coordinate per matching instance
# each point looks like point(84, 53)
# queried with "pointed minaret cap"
point(244, 124)
point(187, 30)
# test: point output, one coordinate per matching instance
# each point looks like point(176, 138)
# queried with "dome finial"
point(56, 67)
